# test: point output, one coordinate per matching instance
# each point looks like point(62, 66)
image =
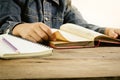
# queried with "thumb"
point(112, 33)
point(53, 37)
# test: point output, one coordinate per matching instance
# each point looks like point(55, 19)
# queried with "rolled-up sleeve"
point(72, 15)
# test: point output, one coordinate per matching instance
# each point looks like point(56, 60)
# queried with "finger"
point(36, 37)
point(30, 38)
point(113, 34)
point(46, 29)
point(41, 33)
point(117, 31)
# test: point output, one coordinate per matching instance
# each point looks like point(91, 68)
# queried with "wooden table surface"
point(66, 64)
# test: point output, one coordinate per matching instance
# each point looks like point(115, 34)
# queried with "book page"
point(5, 48)
point(65, 36)
point(80, 31)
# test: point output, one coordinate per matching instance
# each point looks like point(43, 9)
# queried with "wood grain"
point(65, 63)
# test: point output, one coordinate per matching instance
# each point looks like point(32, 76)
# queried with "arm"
point(9, 15)
point(72, 15)
point(10, 18)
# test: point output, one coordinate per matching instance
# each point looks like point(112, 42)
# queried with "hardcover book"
point(74, 36)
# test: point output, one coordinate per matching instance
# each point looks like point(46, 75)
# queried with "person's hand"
point(113, 32)
point(35, 32)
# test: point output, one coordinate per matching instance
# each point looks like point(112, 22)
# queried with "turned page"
point(66, 36)
point(80, 31)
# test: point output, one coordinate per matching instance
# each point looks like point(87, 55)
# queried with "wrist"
point(15, 30)
point(106, 31)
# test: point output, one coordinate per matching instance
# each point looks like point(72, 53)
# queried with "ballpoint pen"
point(9, 44)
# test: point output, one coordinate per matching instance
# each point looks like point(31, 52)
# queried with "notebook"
point(15, 47)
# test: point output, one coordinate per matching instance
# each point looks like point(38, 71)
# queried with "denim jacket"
point(53, 13)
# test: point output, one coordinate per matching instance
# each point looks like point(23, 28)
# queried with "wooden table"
point(85, 63)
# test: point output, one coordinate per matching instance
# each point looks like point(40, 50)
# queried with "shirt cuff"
point(11, 26)
point(101, 30)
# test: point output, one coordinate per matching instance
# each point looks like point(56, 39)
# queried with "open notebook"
point(15, 47)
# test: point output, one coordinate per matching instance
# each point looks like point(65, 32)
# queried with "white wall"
point(100, 12)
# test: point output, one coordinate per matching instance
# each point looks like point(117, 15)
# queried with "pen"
point(9, 44)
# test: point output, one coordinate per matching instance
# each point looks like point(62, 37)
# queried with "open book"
point(15, 47)
point(74, 36)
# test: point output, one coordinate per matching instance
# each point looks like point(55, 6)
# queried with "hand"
point(113, 32)
point(35, 32)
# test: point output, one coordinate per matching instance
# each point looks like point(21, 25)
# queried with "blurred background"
point(104, 13)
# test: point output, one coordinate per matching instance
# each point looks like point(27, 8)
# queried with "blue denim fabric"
point(53, 13)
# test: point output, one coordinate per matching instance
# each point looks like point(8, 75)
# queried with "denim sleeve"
point(9, 15)
point(72, 15)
